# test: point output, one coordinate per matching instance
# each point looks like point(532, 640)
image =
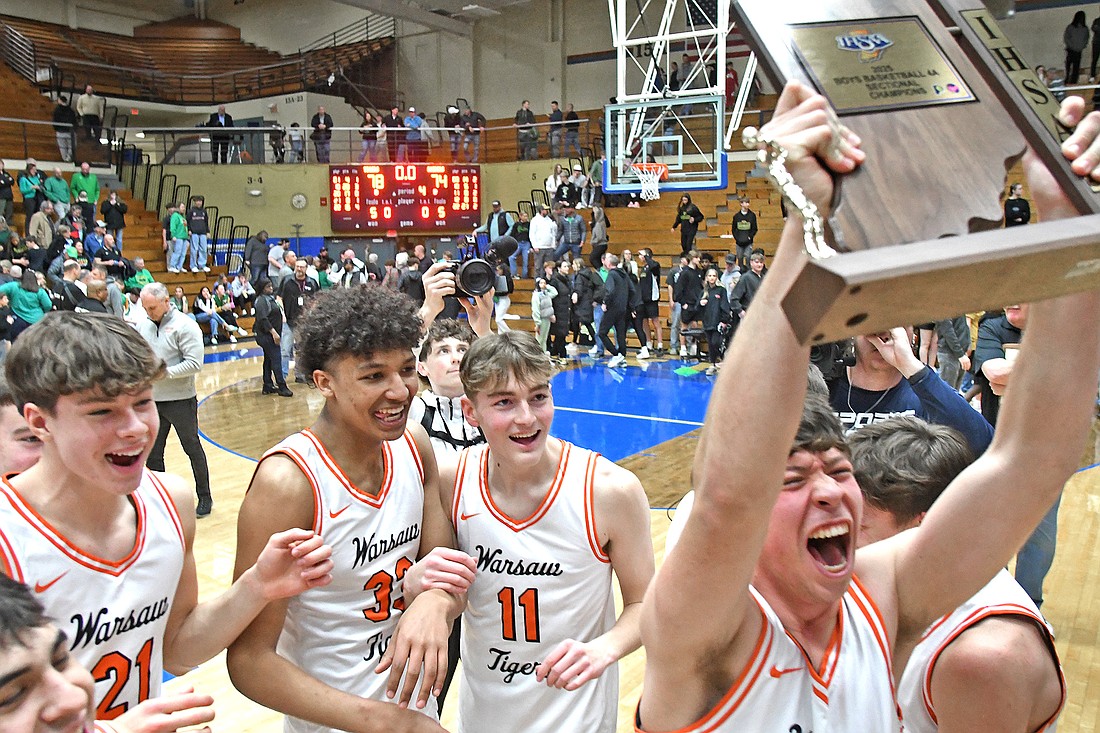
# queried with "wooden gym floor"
point(240, 424)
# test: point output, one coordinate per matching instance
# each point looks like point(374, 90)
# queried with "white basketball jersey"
point(540, 580)
point(1002, 596)
point(779, 690)
point(114, 613)
point(339, 633)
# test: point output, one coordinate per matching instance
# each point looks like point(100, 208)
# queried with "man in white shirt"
point(544, 234)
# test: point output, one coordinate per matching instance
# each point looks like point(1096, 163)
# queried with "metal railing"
point(19, 52)
point(309, 67)
point(369, 28)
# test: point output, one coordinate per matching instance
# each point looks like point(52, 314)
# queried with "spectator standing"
point(368, 131)
point(57, 193)
point(198, 223)
point(1017, 208)
point(688, 219)
point(7, 196)
point(177, 340)
point(593, 192)
point(33, 189)
point(178, 232)
point(473, 124)
point(114, 211)
point(277, 139)
point(600, 225)
point(521, 232)
point(393, 124)
point(616, 307)
point(64, 128)
point(649, 286)
point(747, 285)
point(498, 223)
point(90, 109)
point(716, 317)
point(558, 278)
point(502, 297)
point(544, 235)
point(744, 230)
point(87, 182)
point(579, 182)
point(452, 121)
point(219, 141)
point(588, 294)
point(556, 129)
point(295, 291)
point(542, 309)
point(322, 134)
point(731, 85)
point(572, 232)
point(297, 143)
point(527, 135)
point(572, 131)
point(687, 290)
point(268, 328)
point(40, 226)
point(1075, 39)
point(255, 255)
point(414, 138)
point(276, 261)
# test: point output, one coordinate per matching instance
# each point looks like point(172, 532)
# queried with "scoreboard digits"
point(407, 197)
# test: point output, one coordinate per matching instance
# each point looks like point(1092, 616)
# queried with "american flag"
point(702, 13)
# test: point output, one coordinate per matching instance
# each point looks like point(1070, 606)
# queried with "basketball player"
point(43, 688)
point(991, 663)
point(547, 522)
point(369, 481)
point(19, 447)
point(105, 542)
point(798, 631)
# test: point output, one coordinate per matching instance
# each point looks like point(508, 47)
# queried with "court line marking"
point(651, 418)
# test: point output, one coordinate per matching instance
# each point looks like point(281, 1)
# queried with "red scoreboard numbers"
point(407, 197)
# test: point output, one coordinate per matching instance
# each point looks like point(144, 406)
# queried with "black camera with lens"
point(833, 358)
point(475, 275)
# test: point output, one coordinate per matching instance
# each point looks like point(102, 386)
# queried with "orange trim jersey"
point(1002, 596)
point(338, 633)
point(539, 581)
point(779, 689)
point(114, 613)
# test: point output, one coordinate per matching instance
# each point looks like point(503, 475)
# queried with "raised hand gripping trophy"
point(945, 107)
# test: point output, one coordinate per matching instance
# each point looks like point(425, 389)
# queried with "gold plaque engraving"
point(878, 65)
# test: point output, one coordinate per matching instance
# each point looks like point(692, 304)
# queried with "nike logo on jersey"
point(777, 672)
point(338, 512)
point(465, 516)
point(43, 587)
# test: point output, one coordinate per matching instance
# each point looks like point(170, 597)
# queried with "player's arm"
point(419, 644)
point(621, 513)
point(707, 575)
point(997, 675)
point(281, 498)
point(989, 511)
point(291, 562)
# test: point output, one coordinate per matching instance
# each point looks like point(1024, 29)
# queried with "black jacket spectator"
point(114, 214)
point(295, 294)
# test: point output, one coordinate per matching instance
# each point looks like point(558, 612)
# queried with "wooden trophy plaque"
point(945, 107)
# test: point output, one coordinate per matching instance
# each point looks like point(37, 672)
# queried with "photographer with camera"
point(888, 379)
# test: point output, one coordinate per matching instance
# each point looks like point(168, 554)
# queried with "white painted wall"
point(1037, 34)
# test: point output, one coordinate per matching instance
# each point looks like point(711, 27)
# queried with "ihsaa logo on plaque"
point(869, 46)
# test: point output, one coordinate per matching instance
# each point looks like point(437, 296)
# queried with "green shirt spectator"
point(85, 181)
point(57, 190)
point(178, 226)
point(30, 305)
point(141, 276)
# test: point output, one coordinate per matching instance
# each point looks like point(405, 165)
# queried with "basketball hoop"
point(650, 175)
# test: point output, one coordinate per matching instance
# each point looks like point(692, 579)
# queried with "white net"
point(651, 183)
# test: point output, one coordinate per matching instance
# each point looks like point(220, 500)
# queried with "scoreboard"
point(411, 198)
